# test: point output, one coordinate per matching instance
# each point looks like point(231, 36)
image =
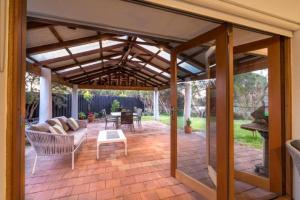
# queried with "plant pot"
point(91, 119)
point(187, 129)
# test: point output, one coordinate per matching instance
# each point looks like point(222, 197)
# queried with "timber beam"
point(113, 87)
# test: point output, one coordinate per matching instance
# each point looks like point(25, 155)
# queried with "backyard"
point(198, 124)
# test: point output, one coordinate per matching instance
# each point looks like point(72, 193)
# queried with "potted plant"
point(81, 115)
point(187, 127)
point(91, 117)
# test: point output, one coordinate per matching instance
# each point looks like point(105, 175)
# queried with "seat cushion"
point(64, 122)
point(59, 130)
point(53, 122)
point(41, 127)
point(73, 124)
point(296, 144)
point(78, 135)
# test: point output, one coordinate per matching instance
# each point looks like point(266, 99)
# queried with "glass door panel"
point(196, 155)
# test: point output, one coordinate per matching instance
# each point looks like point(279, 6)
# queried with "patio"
point(143, 174)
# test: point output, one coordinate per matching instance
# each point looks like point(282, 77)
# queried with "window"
point(68, 69)
point(165, 55)
point(50, 55)
point(116, 57)
point(153, 49)
point(166, 74)
point(85, 47)
point(189, 67)
point(125, 37)
point(107, 43)
point(153, 68)
point(91, 63)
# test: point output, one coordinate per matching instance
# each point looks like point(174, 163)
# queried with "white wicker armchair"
point(49, 144)
point(294, 153)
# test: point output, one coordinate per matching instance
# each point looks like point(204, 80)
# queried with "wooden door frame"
point(224, 51)
point(15, 159)
point(279, 66)
point(15, 135)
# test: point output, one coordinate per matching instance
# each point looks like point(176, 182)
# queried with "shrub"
point(81, 115)
point(115, 106)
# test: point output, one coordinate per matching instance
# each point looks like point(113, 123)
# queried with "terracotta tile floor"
point(143, 174)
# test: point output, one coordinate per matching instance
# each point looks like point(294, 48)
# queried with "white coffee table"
point(111, 136)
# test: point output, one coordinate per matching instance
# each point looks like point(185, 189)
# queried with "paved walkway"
point(143, 174)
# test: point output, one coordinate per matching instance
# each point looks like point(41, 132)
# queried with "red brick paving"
point(143, 174)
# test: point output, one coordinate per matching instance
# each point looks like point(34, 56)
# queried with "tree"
point(250, 89)
point(32, 94)
point(88, 96)
point(32, 86)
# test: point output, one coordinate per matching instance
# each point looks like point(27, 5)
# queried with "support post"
point(187, 101)
point(74, 109)
point(156, 104)
point(45, 107)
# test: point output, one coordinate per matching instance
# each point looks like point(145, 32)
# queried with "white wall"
point(296, 102)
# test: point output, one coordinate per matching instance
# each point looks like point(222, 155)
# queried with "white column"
point(154, 106)
point(187, 101)
point(157, 105)
point(74, 109)
point(45, 109)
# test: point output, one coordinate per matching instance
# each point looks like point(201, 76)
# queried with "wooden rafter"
point(37, 25)
point(109, 72)
point(200, 51)
point(92, 76)
point(166, 70)
point(146, 76)
point(107, 87)
point(140, 68)
point(104, 30)
point(66, 44)
point(150, 78)
point(91, 69)
point(85, 62)
point(162, 59)
point(58, 37)
point(85, 53)
point(190, 59)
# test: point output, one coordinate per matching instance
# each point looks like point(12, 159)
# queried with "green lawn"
point(198, 124)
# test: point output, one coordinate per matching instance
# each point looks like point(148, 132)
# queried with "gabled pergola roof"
point(94, 58)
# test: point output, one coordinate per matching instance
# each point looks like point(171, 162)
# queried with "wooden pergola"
point(94, 58)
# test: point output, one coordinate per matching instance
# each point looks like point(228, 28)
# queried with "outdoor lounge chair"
point(293, 147)
point(50, 144)
point(109, 119)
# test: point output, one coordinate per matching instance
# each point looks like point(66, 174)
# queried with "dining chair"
point(109, 119)
point(127, 119)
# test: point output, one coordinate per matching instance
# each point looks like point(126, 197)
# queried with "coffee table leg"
point(125, 142)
